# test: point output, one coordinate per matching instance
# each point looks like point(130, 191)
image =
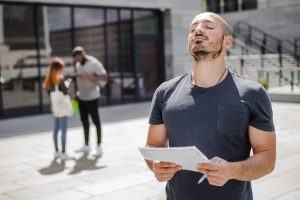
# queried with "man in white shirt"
point(90, 73)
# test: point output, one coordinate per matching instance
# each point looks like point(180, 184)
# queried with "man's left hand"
point(217, 174)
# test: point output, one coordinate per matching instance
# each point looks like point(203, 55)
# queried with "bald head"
point(219, 20)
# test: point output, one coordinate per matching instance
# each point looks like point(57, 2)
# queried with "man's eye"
point(209, 27)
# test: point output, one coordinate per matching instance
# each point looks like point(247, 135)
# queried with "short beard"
point(199, 52)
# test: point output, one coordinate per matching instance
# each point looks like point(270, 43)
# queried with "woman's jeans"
point(62, 124)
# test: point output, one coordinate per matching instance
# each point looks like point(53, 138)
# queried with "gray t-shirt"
point(89, 90)
point(216, 121)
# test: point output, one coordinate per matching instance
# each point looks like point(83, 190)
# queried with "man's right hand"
point(164, 171)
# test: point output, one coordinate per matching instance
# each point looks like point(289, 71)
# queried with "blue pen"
point(204, 175)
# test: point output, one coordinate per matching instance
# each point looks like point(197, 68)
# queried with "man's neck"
point(209, 72)
point(84, 59)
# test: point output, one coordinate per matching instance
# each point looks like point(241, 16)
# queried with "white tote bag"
point(61, 103)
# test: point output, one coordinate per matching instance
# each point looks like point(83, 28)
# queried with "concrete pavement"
point(28, 172)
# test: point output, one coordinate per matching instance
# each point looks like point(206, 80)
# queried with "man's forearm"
point(254, 167)
point(97, 79)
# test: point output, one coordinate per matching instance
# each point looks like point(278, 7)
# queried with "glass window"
point(54, 40)
point(128, 83)
point(147, 51)
point(249, 4)
point(113, 62)
point(89, 33)
point(145, 22)
point(16, 18)
point(126, 41)
point(57, 26)
point(213, 5)
point(18, 58)
point(230, 5)
point(147, 63)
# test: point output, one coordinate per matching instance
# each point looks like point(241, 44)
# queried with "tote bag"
point(75, 105)
point(61, 103)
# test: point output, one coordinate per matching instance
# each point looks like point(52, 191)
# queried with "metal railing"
point(297, 49)
point(286, 75)
point(290, 76)
point(267, 43)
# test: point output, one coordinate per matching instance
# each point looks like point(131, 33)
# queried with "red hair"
point(52, 77)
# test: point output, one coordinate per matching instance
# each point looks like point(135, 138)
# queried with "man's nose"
point(199, 29)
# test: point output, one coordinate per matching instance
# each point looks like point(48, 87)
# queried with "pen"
point(204, 175)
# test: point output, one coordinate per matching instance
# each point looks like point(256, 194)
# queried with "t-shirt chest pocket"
point(232, 118)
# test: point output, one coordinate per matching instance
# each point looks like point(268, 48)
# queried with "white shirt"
point(89, 90)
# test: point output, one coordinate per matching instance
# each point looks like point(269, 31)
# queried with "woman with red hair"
point(54, 78)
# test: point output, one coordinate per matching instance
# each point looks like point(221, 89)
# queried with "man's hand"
point(164, 171)
point(217, 173)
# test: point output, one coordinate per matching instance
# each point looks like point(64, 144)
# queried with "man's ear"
point(227, 41)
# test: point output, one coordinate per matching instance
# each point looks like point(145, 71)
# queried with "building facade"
point(140, 43)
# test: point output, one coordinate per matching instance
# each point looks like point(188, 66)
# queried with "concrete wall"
point(281, 22)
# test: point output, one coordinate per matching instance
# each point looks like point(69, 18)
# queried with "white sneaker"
point(84, 149)
point(56, 155)
point(64, 156)
point(98, 152)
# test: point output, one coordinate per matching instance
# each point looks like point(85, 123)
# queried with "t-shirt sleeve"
point(156, 108)
point(99, 69)
point(63, 87)
point(262, 115)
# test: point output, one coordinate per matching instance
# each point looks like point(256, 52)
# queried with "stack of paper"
point(187, 157)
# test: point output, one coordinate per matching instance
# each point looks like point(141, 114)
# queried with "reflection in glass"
point(213, 5)
point(18, 57)
point(145, 22)
point(58, 25)
point(126, 41)
point(89, 33)
point(113, 62)
point(55, 40)
point(230, 5)
point(128, 83)
point(147, 64)
point(146, 52)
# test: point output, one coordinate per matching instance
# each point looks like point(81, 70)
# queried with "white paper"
point(187, 157)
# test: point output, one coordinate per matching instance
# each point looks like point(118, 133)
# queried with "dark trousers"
point(87, 108)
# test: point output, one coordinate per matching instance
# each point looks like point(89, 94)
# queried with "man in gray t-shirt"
point(90, 73)
point(219, 112)
point(87, 89)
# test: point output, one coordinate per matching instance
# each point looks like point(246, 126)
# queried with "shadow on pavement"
point(81, 164)
point(85, 163)
point(53, 168)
